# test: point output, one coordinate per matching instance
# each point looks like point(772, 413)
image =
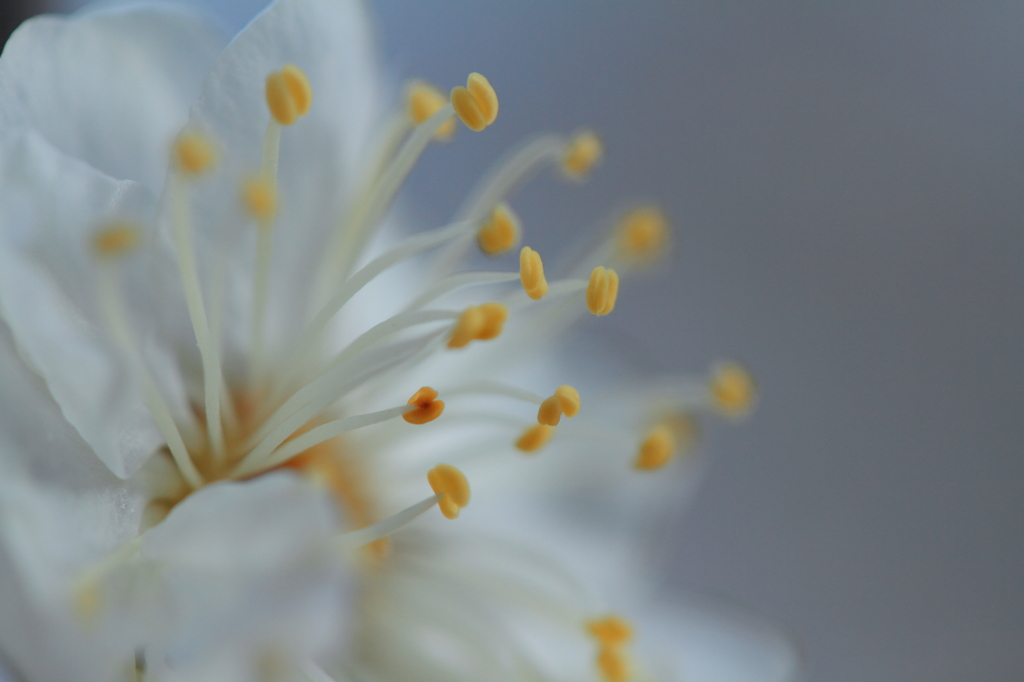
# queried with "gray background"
point(846, 184)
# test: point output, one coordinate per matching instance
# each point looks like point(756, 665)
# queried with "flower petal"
point(49, 206)
point(109, 87)
point(320, 155)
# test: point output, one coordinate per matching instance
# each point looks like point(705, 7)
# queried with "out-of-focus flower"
point(227, 379)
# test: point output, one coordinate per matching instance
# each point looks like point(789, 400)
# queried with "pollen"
point(613, 664)
point(116, 239)
point(582, 153)
point(476, 104)
point(732, 388)
point(194, 153)
point(657, 449)
point(602, 290)
point(501, 231)
point(566, 400)
point(535, 437)
point(422, 101)
point(451, 484)
point(610, 630)
point(289, 94)
point(643, 233)
point(531, 273)
point(259, 197)
point(428, 407)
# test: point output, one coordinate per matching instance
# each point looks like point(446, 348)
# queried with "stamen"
point(602, 290)
point(427, 407)
point(423, 100)
point(535, 437)
point(613, 664)
point(610, 630)
point(117, 239)
point(733, 391)
point(193, 153)
point(531, 272)
point(288, 94)
point(113, 310)
point(566, 400)
point(643, 234)
point(476, 104)
point(462, 279)
point(259, 197)
point(478, 323)
point(501, 232)
point(657, 449)
point(452, 486)
point(364, 536)
point(581, 154)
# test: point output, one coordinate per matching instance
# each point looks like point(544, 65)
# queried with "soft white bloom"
point(219, 364)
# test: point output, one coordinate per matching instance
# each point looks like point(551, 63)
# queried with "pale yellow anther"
point(450, 483)
point(657, 449)
point(259, 197)
point(733, 390)
point(610, 630)
point(289, 94)
point(468, 326)
point(495, 315)
point(476, 104)
point(428, 407)
point(87, 601)
point(116, 239)
point(613, 664)
point(582, 153)
point(501, 231)
point(531, 273)
point(602, 290)
point(643, 233)
point(566, 400)
point(423, 100)
point(193, 153)
point(535, 437)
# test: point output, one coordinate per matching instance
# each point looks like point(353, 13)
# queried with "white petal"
point(49, 206)
point(110, 87)
point(320, 154)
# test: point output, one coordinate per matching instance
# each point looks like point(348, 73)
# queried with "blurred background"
point(846, 181)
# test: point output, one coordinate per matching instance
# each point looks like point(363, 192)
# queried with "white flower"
point(208, 443)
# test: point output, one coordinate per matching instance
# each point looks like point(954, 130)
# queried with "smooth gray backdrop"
point(846, 182)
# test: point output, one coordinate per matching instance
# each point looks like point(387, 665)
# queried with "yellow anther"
point(423, 100)
point(428, 407)
point(602, 290)
point(613, 664)
point(450, 483)
point(467, 328)
point(476, 104)
point(289, 94)
point(116, 239)
point(643, 233)
point(535, 437)
point(657, 449)
point(566, 400)
point(86, 601)
point(495, 315)
point(259, 196)
point(733, 391)
point(610, 630)
point(531, 273)
point(500, 233)
point(582, 153)
point(194, 154)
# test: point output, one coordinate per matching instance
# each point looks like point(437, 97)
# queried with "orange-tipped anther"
point(602, 290)
point(535, 437)
point(613, 664)
point(657, 449)
point(582, 153)
point(288, 94)
point(610, 630)
point(494, 315)
point(116, 239)
point(476, 104)
point(531, 273)
point(566, 400)
point(259, 197)
point(422, 101)
point(501, 231)
point(643, 233)
point(468, 326)
point(450, 483)
point(193, 153)
point(733, 390)
point(428, 407)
